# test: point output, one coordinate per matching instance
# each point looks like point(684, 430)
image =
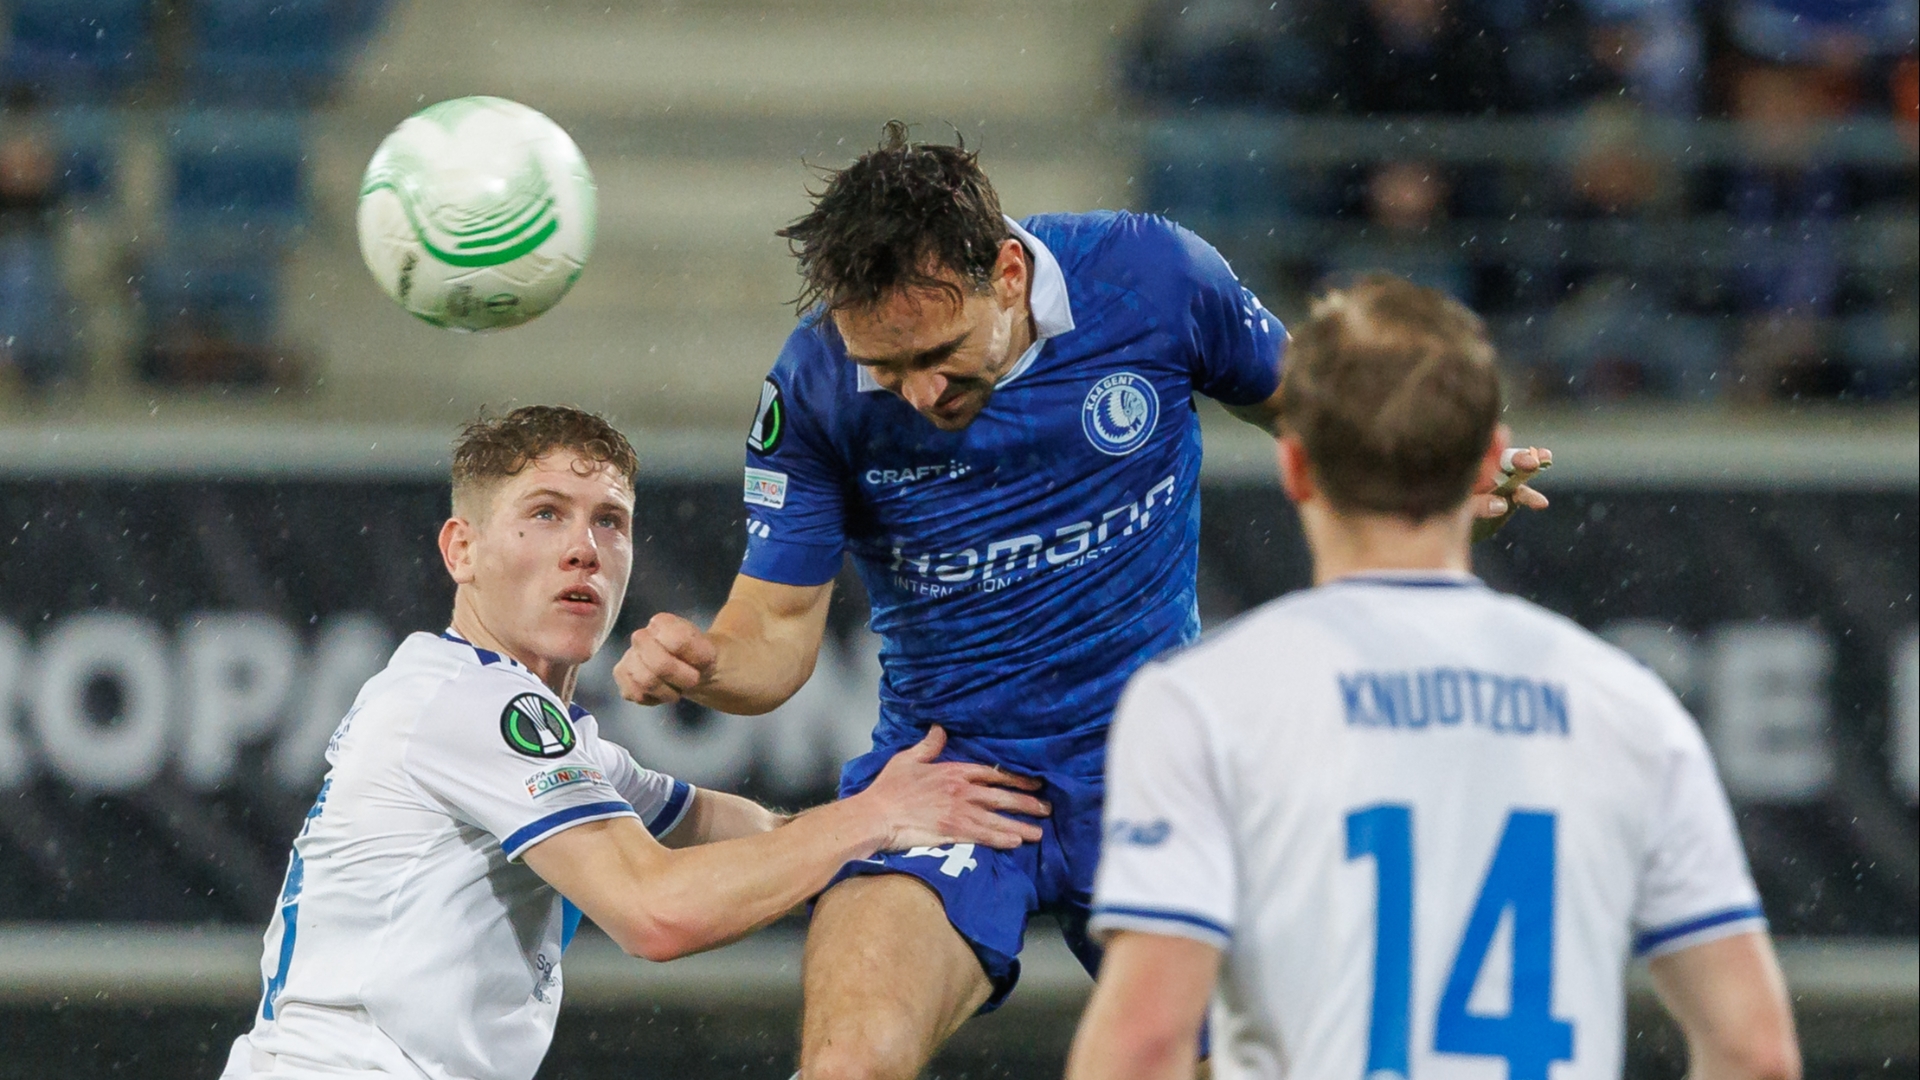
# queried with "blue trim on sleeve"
point(553, 822)
point(1163, 915)
point(675, 808)
point(784, 563)
point(1660, 935)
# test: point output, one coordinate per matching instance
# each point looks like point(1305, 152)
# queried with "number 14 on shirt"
point(1520, 877)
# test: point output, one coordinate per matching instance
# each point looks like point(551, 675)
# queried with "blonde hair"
point(1392, 389)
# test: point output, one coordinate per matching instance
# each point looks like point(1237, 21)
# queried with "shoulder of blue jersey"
point(1141, 253)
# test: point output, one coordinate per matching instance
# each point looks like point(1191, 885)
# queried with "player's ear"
point(1296, 474)
point(456, 549)
point(1490, 474)
point(1011, 271)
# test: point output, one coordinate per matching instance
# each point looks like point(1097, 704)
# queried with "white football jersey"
point(409, 941)
point(1427, 824)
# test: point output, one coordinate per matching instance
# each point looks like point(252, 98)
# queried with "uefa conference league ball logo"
point(476, 213)
point(536, 727)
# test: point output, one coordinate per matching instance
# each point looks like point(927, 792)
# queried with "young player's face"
point(942, 357)
point(550, 557)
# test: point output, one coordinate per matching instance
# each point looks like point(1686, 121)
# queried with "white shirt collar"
point(1047, 299)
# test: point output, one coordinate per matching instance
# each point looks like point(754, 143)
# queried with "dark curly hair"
point(895, 219)
point(491, 449)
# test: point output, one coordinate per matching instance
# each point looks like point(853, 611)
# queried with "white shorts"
point(316, 1042)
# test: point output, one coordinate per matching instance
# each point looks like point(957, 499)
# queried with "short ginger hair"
point(492, 449)
point(1393, 392)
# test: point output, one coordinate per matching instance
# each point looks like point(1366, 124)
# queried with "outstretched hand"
point(927, 803)
point(1498, 499)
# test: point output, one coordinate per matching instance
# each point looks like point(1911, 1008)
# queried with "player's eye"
point(611, 521)
point(546, 513)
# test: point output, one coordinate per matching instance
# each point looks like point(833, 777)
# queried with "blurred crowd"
point(1627, 266)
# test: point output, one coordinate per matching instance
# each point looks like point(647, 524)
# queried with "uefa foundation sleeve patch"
point(536, 727)
point(766, 487)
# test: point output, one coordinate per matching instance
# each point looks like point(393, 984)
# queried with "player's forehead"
point(571, 475)
point(904, 322)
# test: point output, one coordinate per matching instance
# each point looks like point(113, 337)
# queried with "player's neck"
point(1023, 335)
point(1344, 545)
point(468, 623)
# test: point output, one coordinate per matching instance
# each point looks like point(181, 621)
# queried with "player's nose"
point(923, 389)
point(582, 553)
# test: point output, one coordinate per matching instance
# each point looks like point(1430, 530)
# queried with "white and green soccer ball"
point(477, 213)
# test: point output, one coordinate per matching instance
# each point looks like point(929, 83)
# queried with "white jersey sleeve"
point(1167, 863)
point(661, 801)
point(1694, 886)
point(507, 759)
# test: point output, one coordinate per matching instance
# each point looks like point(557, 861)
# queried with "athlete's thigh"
point(887, 980)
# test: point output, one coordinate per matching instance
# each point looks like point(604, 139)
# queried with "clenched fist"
point(668, 658)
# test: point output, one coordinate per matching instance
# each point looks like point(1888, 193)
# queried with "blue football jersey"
point(1021, 569)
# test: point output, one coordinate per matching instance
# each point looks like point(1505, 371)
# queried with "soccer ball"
point(477, 213)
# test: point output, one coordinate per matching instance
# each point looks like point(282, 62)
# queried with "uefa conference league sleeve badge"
point(536, 727)
point(769, 421)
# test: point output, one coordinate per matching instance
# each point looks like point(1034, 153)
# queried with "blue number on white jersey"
point(1520, 878)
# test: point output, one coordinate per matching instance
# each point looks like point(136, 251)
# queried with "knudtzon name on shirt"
point(1451, 696)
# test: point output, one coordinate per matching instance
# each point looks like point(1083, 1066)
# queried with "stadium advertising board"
point(175, 653)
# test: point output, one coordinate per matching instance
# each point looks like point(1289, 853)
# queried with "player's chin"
point(957, 416)
point(573, 637)
point(950, 423)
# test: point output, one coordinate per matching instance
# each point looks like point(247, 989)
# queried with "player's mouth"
point(955, 408)
point(579, 600)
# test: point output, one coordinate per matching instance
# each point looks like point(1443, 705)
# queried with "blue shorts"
point(989, 894)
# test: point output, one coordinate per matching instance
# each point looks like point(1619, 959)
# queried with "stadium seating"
point(273, 52)
point(78, 49)
point(238, 170)
point(87, 146)
point(1577, 184)
point(211, 294)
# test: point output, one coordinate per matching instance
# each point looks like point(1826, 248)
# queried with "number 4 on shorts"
point(959, 857)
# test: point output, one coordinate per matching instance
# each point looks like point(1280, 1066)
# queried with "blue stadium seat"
point(77, 49)
point(211, 307)
point(211, 295)
point(87, 142)
point(275, 52)
point(239, 173)
point(35, 335)
point(228, 293)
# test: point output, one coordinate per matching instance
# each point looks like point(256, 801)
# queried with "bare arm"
point(1731, 1002)
point(716, 815)
point(766, 641)
point(760, 650)
point(661, 903)
point(1143, 1022)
